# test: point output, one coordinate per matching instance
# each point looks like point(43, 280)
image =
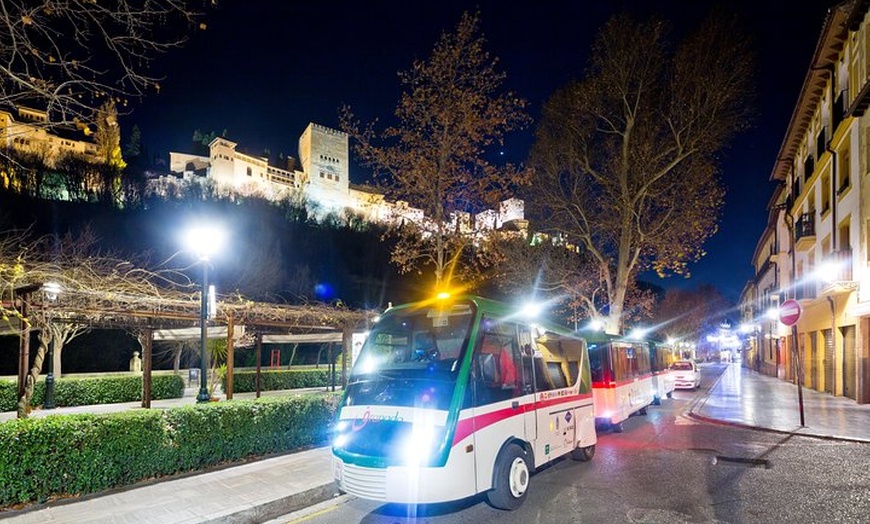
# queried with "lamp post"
point(52, 290)
point(204, 241)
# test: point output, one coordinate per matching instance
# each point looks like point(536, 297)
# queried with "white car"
point(686, 374)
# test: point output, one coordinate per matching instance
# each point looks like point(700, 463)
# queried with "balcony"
point(764, 268)
point(836, 275)
point(805, 231)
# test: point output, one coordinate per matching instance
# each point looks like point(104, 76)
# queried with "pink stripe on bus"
point(466, 427)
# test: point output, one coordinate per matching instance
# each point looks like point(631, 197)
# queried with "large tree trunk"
point(176, 359)
point(24, 401)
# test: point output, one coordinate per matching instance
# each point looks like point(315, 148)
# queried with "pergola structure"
point(176, 315)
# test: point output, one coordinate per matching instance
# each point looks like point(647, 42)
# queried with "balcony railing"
point(765, 267)
point(806, 226)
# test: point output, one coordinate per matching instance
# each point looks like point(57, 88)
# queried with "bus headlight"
point(341, 435)
point(421, 444)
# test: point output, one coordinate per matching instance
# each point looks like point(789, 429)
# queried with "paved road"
point(266, 489)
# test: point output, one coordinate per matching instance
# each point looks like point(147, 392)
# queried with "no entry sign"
point(789, 312)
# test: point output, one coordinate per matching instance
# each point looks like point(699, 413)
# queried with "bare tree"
point(433, 159)
point(626, 158)
point(684, 313)
point(66, 56)
point(554, 272)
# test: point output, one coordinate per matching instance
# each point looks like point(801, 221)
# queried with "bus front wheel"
point(583, 454)
point(511, 479)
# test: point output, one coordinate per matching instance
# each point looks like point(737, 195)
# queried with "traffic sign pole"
point(789, 314)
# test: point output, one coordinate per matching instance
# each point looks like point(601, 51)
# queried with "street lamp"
point(204, 241)
point(51, 290)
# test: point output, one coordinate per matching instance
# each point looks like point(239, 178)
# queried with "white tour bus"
point(662, 355)
point(454, 397)
point(622, 382)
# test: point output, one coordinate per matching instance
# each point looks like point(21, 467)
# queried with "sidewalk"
point(263, 490)
point(746, 398)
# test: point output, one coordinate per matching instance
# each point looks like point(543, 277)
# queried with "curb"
point(275, 508)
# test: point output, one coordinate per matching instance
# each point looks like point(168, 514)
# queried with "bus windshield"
point(412, 357)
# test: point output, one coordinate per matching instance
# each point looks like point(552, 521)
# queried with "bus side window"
point(557, 376)
point(573, 371)
point(488, 373)
point(542, 380)
point(596, 365)
point(526, 368)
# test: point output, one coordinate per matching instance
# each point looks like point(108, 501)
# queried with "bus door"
point(503, 401)
point(525, 357)
point(556, 414)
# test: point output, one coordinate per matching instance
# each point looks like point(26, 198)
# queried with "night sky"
point(264, 69)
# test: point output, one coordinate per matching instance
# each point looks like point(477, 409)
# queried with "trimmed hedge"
point(63, 455)
point(99, 390)
point(275, 380)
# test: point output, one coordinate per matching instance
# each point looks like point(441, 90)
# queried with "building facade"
point(323, 180)
point(29, 131)
point(815, 247)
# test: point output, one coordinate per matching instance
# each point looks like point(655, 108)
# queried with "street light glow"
point(637, 333)
point(52, 290)
point(531, 310)
point(205, 240)
point(828, 271)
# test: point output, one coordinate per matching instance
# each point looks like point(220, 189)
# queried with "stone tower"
point(323, 153)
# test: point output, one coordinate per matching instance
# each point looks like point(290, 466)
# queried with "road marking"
point(317, 510)
point(663, 516)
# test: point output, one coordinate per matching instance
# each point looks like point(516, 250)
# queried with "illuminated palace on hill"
point(323, 181)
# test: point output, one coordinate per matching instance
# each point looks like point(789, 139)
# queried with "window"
point(843, 172)
point(500, 372)
point(843, 237)
point(826, 194)
point(820, 144)
point(249, 172)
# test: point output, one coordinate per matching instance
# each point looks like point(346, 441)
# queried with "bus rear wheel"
point(511, 479)
point(583, 454)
